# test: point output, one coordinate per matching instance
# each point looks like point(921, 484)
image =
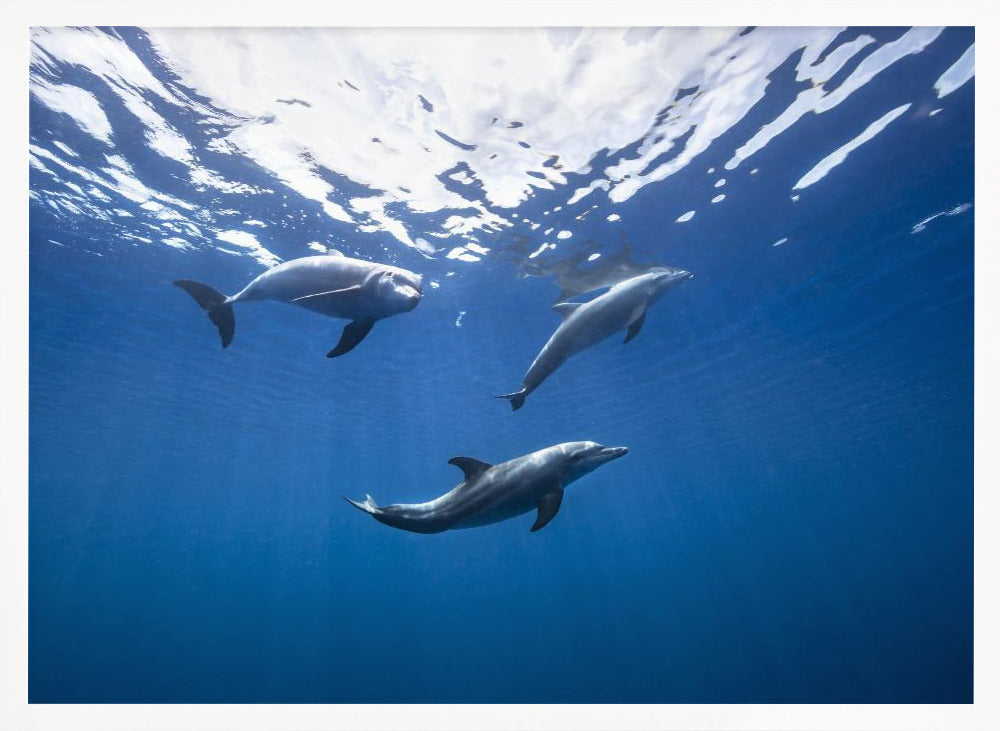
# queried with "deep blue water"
point(793, 523)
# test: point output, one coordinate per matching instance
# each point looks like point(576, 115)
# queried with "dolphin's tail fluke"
point(516, 399)
point(214, 303)
point(368, 505)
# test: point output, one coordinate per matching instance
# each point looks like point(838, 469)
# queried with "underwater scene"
point(535, 365)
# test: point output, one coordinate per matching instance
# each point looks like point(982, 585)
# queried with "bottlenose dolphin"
point(588, 323)
point(331, 284)
point(577, 274)
point(491, 493)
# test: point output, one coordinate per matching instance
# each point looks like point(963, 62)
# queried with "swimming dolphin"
point(491, 493)
point(588, 323)
point(332, 285)
point(578, 274)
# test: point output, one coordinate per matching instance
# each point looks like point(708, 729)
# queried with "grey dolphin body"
point(622, 306)
point(491, 493)
point(332, 285)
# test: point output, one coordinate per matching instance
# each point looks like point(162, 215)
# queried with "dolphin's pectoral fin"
point(333, 293)
point(635, 327)
point(352, 335)
point(565, 309)
point(471, 466)
point(548, 506)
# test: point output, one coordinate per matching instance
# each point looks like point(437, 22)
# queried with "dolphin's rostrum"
point(623, 306)
point(332, 285)
point(491, 493)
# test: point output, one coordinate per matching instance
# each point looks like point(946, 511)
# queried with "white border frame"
point(19, 15)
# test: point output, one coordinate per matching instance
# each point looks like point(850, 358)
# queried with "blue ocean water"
point(793, 522)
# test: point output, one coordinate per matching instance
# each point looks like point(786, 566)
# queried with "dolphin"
point(333, 285)
point(577, 274)
point(584, 324)
point(491, 493)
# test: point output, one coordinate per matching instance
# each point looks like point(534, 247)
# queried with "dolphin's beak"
point(675, 276)
point(610, 453)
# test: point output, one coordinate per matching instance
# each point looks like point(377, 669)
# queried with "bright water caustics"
point(491, 493)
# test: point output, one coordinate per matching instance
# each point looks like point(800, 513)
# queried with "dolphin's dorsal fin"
point(566, 308)
point(548, 506)
point(331, 293)
point(472, 467)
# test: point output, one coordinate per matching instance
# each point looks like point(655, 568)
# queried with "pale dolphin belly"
point(502, 511)
point(462, 507)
